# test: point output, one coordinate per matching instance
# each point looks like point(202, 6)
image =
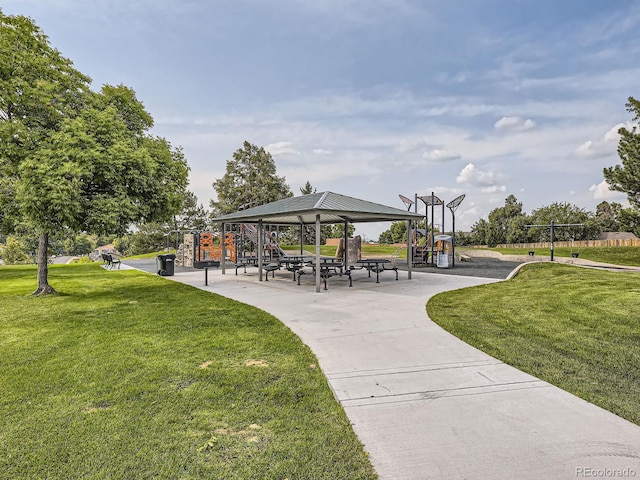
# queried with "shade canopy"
point(331, 207)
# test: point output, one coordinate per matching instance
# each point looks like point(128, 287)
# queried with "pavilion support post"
point(301, 238)
point(318, 266)
point(346, 245)
point(260, 248)
point(432, 226)
point(224, 248)
point(409, 250)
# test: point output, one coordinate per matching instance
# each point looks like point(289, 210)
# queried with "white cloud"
point(601, 191)
point(612, 134)
point(494, 189)
point(514, 124)
point(606, 145)
point(471, 175)
point(440, 155)
point(281, 148)
point(322, 151)
point(585, 149)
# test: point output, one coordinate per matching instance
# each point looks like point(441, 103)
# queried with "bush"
point(81, 260)
point(15, 252)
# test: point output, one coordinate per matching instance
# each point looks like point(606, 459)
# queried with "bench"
point(110, 261)
point(270, 267)
point(392, 267)
point(328, 271)
point(246, 262)
point(378, 265)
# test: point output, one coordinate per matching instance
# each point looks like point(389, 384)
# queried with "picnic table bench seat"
point(270, 267)
point(327, 271)
point(244, 262)
point(378, 265)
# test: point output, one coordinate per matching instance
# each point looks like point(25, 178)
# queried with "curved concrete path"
point(425, 404)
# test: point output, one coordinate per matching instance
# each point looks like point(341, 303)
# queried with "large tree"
point(505, 225)
point(73, 158)
point(626, 177)
point(562, 213)
point(606, 216)
point(193, 215)
point(250, 180)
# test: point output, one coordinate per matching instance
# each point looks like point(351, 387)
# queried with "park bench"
point(111, 262)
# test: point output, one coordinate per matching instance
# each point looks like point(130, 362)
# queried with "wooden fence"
point(635, 242)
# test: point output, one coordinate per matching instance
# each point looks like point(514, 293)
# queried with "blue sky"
point(375, 98)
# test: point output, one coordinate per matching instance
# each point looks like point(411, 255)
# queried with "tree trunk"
point(43, 266)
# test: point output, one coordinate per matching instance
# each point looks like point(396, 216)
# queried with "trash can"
point(442, 260)
point(165, 264)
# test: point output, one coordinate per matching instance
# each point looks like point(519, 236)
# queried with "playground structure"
point(440, 247)
point(238, 243)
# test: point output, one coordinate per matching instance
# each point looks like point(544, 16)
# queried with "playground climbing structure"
point(241, 242)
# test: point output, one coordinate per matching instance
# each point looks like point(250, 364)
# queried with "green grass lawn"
point(574, 327)
point(616, 255)
point(128, 375)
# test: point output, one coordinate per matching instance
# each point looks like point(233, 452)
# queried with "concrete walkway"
point(425, 404)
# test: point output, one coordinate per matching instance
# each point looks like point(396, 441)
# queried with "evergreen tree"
point(250, 180)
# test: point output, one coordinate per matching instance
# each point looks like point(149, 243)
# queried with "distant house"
point(97, 253)
point(616, 236)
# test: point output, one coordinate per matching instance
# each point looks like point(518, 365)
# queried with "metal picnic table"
point(377, 265)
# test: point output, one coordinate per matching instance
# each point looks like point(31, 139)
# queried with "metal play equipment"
point(421, 252)
point(453, 206)
point(199, 248)
point(553, 225)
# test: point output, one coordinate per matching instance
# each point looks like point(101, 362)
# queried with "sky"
point(375, 98)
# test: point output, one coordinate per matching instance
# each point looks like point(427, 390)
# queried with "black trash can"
point(166, 264)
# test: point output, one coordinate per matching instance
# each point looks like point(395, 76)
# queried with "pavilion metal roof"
point(332, 208)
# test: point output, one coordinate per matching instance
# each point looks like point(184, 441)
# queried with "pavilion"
point(318, 209)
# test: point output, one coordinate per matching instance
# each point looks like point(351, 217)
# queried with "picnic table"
point(377, 265)
point(329, 267)
point(293, 263)
point(244, 262)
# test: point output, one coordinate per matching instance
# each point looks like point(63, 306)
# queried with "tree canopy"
point(508, 224)
point(626, 177)
point(505, 224)
point(73, 158)
point(250, 179)
point(562, 213)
